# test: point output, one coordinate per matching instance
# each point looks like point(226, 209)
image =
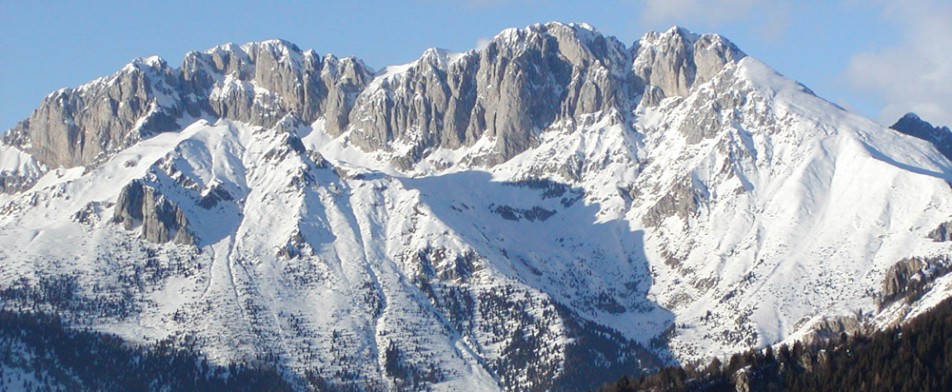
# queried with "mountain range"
point(550, 212)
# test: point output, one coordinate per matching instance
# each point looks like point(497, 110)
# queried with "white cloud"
point(915, 74)
point(771, 19)
point(482, 43)
point(716, 11)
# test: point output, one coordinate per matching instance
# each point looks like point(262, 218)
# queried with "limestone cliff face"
point(74, 127)
point(259, 83)
point(428, 104)
point(524, 82)
point(530, 79)
point(160, 220)
point(899, 275)
point(909, 278)
point(673, 62)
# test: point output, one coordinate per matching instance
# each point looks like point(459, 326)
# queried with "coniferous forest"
point(914, 357)
point(37, 352)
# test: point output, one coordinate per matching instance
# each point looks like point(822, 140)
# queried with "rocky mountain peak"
point(940, 136)
point(151, 63)
point(677, 34)
point(673, 62)
point(577, 43)
point(275, 44)
point(910, 117)
point(912, 124)
point(83, 125)
point(439, 58)
point(519, 85)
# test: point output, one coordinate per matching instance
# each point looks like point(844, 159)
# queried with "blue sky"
point(879, 58)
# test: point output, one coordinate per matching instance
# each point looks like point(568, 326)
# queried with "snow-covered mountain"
point(549, 212)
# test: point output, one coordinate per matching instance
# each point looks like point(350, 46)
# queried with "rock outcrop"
point(160, 220)
point(911, 277)
point(900, 274)
point(942, 233)
point(530, 79)
point(832, 328)
point(683, 200)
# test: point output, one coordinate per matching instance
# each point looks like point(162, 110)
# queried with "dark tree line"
point(64, 358)
point(914, 357)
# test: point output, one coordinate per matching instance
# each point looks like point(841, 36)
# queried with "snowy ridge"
point(779, 203)
point(682, 201)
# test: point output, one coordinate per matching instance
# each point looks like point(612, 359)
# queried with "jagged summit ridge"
point(570, 71)
point(256, 83)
